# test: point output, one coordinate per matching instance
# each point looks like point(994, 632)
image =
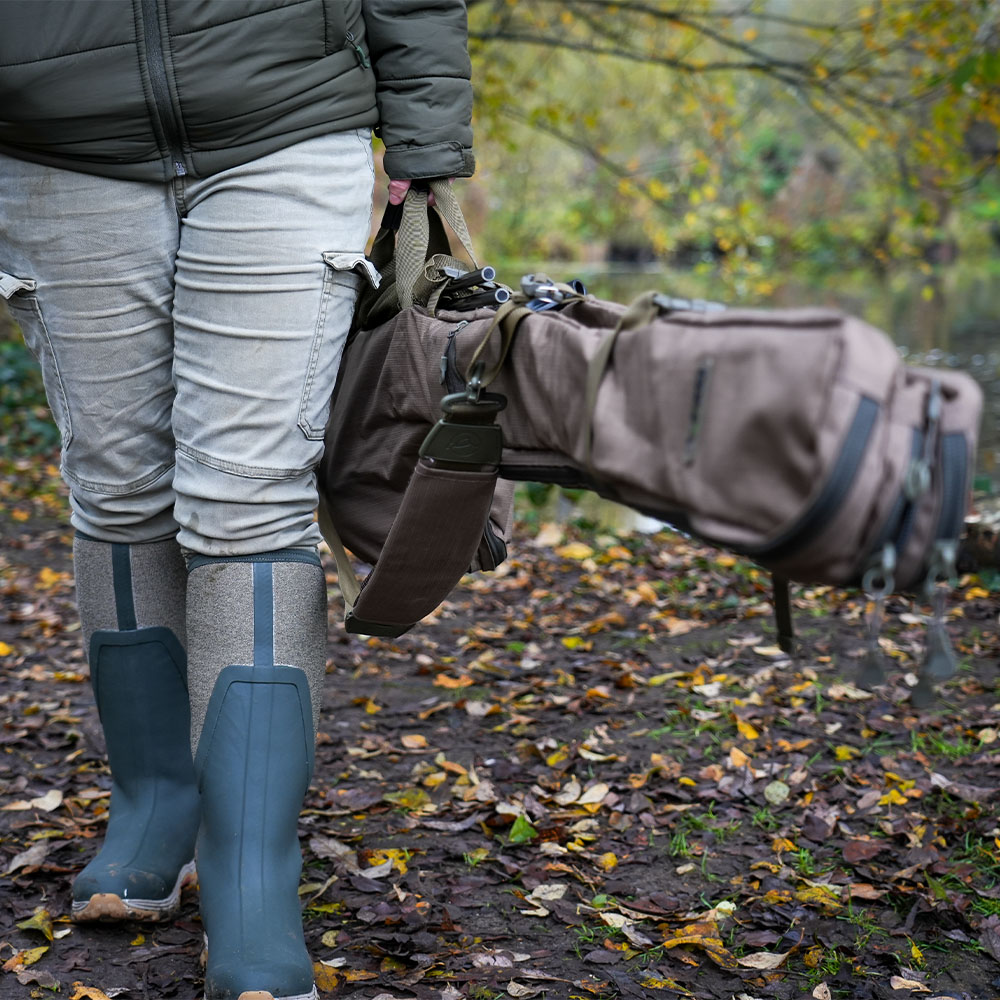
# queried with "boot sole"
point(313, 994)
point(111, 908)
point(265, 995)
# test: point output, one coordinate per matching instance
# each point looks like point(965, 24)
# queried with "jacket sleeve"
point(419, 51)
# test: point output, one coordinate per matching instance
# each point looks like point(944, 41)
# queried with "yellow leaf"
point(973, 592)
point(326, 978)
point(138, 940)
point(813, 957)
point(359, 975)
point(845, 752)
point(24, 958)
point(725, 561)
point(5, 650)
point(557, 757)
point(690, 782)
point(746, 730)
point(737, 758)
point(329, 939)
point(892, 798)
point(447, 681)
point(414, 741)
point(608, 861)
point(371, 707)
point(413, 799)
point(394, 854)
point(81, 992)
point(780, 844)
point(40, 921)
point(576, 642)
point(575, 550)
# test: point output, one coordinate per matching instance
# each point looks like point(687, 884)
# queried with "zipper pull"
point(358, 51)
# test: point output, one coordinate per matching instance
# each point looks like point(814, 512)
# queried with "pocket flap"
point(341, 260)
point(10, 285)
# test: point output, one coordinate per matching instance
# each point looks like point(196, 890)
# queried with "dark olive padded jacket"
point(154, 89)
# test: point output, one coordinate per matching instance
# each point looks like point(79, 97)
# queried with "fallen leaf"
point(899, 983)
point(40, 920)
point(574, 550)
point(764, 960)
point(81, 992)
point(30, 858)
point(777, 792)
point(414, 741)
point(822, 992)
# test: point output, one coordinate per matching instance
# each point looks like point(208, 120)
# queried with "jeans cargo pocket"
point(344, 270)
point(19, 293)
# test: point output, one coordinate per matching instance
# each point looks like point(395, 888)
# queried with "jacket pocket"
point(343, 274)
point(19, 294)
point(334, 26)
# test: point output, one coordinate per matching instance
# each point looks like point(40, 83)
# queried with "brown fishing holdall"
point(796, 437)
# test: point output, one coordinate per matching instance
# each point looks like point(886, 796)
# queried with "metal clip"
point(878, 583)
point(940, 663)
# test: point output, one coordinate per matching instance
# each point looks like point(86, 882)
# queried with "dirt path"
point(592, 775)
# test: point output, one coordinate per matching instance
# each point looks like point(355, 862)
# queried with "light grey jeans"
point(189, 335)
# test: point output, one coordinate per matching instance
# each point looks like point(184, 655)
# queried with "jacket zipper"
point(166, 120)
point(833, 493)
point(358, 51)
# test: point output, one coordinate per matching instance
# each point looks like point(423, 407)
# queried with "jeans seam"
point(117, 489)
point(31, 304)
point(317, 344)
point(237, 468)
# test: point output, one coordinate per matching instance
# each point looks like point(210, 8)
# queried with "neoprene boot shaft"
point(254, 763)
point(139, 684)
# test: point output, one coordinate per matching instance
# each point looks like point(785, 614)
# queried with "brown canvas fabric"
point(789, 435)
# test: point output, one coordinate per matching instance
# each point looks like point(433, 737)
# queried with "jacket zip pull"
point(358, 51)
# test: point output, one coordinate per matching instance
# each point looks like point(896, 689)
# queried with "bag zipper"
point(164, 119)
point(835, 490)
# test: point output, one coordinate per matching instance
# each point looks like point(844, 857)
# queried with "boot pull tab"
point(878, 582)
point(940, 663)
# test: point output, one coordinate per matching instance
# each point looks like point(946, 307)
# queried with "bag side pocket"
point(19, 294)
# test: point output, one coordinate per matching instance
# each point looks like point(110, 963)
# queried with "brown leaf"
point(990, 936)
point(862, 850)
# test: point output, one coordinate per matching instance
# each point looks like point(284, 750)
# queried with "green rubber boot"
point(254, 762)
point(140, 686)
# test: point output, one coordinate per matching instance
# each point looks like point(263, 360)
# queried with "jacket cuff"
point(440, 159)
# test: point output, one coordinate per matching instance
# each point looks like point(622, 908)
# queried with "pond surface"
point(947, 317)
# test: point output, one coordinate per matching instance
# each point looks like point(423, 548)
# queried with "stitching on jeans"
point(238, 468)
point(29, 303)
point(118, 489)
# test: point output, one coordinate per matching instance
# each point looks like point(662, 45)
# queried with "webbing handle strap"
point(641, 312)
point(413, 240)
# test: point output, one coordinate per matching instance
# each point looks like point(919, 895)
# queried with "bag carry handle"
point(413, 240)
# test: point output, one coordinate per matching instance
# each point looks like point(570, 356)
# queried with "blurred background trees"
point(770, 152)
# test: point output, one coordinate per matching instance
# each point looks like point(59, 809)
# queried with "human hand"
point(398, 189)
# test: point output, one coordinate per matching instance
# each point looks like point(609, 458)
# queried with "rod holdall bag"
point(794, 436)
point(445, 513)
